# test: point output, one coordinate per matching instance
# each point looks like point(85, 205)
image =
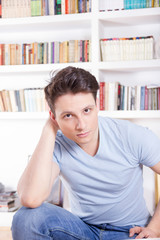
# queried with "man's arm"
point(153, 228)
point(36, 182)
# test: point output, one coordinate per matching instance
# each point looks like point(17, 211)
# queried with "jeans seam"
point(69, 233)
point(101, 232)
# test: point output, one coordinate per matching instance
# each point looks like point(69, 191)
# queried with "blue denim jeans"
point(49, 222)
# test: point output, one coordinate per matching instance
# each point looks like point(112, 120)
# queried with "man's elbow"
point(30, 202)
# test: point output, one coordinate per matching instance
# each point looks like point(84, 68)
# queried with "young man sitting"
point(99, 160)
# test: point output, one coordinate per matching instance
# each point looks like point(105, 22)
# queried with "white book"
point(121, 4)
point(116, 96)
point(3, 2)
point(22, 100)
point(125, 97)
point(129, 98)
point(51, 7)
point(71, 50)
point(26, 96)
point(7, 54)
point(121, 49)
point(151, 48)
point(14, 106)
point(42, 100)
point(111, 99)
point(138, 97)
point(63, 7)
point(38, 100)
point(102, 49)
point(49, 52)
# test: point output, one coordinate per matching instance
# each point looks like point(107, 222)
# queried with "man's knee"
point(34, 221)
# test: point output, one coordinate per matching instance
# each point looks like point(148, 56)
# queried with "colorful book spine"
point(58, 7)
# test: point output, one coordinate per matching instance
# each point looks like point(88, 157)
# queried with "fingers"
point(135, 230)
point(143, 234)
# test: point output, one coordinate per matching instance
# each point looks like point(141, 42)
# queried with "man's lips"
point(83, 134)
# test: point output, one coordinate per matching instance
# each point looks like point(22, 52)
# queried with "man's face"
point(77, 118)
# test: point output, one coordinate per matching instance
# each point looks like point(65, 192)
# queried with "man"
point(100, 163)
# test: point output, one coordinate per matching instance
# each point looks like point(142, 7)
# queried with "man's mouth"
point(84, 134)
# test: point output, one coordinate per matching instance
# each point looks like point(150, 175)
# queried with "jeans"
point(49, 222)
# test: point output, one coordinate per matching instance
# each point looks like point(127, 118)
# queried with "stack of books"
point(31, 8)
point(114, 96)
point(9, 201)
point(43, 53)
point(23, 100)
point(110, 5)
point(126, 49)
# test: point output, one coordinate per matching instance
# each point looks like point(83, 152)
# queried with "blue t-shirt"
point(108, 187)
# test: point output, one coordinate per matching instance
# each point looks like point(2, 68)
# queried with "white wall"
point(18, 139)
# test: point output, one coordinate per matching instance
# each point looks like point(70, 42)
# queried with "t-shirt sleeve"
point(57, 153)
point(143, 144)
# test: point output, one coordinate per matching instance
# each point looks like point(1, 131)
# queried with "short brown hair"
point(70, 80)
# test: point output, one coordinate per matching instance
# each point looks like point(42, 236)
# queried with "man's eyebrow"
point(66, 112)
point(70, 112)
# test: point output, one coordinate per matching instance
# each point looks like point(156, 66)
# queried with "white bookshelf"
point(35, 68)
point(16, 128)
point(6, 219)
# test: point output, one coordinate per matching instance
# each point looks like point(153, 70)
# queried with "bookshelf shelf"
point(81, 20)
point(131, 17)
point(7, 69)
point(131, 114)
point(131, 65)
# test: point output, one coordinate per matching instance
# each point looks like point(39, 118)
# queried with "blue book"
point(129, 4)
point(80, 6)
point(53, 52)
point(142, 105)
point(132, 4)
point(150, 3)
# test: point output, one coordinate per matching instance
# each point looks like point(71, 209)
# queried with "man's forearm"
point(155, 221)
point(36, 181)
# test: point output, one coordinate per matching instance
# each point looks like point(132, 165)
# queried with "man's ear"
point(97, 104)
point(53, 117)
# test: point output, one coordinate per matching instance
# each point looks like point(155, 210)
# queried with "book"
point(0, 9)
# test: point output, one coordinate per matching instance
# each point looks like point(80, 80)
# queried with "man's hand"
point(143, 232)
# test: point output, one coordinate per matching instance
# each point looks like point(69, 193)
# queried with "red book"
point(159, 98)
point(102, 96)
point(0, 54)
point(146, 99)
point(66, 7)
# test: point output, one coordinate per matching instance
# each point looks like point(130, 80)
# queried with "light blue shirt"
point(108, 187)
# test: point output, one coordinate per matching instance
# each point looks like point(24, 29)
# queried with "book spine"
point(0, 9)
point(58, 7)
point(102, 100)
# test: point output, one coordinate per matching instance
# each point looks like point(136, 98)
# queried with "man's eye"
point(67, 115)
point(87, 110)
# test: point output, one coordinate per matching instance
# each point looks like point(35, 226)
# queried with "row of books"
point(134, 48)
point(23, 100)
point(43, 53)
point(114, 96)
point(9, 201)
point(110, 5)
point(31, 8)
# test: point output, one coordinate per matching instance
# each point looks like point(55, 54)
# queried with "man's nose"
point(80, 123)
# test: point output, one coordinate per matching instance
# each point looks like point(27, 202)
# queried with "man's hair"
point(70, 80)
